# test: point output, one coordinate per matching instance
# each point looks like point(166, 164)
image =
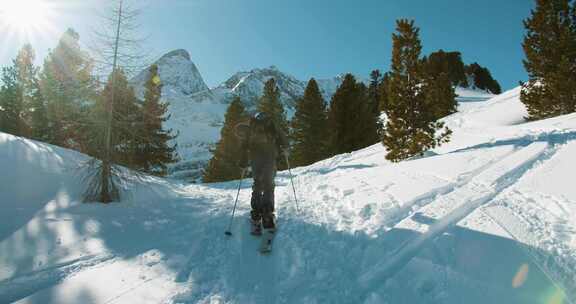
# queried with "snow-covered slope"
point(488, 218)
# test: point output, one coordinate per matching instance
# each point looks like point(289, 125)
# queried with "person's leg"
point(268, 185)
point(256, 200)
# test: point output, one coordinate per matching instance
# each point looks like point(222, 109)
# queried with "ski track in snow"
point(543, 223)
point(24, 285)
point(449, 209)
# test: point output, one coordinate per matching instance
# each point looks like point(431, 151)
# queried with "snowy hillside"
point(197, 112)
point(488, 218)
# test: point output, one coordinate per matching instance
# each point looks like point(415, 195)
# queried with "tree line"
point(65, 104)
point(400, 108)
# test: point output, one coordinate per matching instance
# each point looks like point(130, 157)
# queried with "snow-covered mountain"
point(249, 85)
point(179, 75)
point(487, 218)
point(197, 112)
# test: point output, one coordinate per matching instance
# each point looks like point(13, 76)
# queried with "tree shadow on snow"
point(552, 138)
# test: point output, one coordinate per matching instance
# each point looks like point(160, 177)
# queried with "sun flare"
point(25, 16)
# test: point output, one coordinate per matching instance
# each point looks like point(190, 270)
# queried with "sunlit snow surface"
point(487, 218)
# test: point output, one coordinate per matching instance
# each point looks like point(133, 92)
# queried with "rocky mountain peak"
point(178, 74)
point(176, 53)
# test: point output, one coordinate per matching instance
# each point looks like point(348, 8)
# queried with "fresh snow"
point(487, 218)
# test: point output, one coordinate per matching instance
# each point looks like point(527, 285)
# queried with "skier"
point(262, 142)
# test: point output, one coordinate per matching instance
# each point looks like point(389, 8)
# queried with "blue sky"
point(308, 38)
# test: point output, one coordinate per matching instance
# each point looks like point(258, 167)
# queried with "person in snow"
point(262, 142)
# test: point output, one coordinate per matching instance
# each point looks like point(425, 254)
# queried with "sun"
point(24, 16)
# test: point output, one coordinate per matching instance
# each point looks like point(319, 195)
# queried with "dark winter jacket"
point(254, 146)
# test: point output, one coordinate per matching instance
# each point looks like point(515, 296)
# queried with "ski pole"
point(229, 231)
point(292, 182)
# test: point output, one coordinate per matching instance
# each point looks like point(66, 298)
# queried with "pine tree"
point(483, 78)
point(367, 118)
point(439, 94)
point(550, 49)
point(27, 75)
point(449, 63)
point(309, 132)
point(118, 50)
point(68, 88)
point(350, 117)
point(384, 84)
point(154, 151)
point(270, 104)
point(39, 123)
point(410, 126)
point(11, 103)
point(374, 91)
point(126, 120)
point(35, 112)
point(223, 165)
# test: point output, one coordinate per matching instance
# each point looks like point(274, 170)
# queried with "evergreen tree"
point(374, 124)
point(439, 95)
point(223, 165)
point(68, 88)
point(39, 117)
point(11, 103)
point(270, 104)
point(384, 84)
point(309, 127)
point(483, 78)
point(126, 122)
point(32, 99)
point(350, 117)
point(27, 74)
point(550, 49)
point(154, 149)
point(367, 118)
point(449, 63)
point(411, 124)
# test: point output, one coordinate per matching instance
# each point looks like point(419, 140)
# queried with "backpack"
point(262, 131)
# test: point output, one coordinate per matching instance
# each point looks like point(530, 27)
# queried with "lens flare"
point(24, 16)
point(555, 297)
point(521, 276)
